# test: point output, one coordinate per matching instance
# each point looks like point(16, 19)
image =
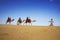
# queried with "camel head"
point(12, 20)
point(23, 20)
point(33, 20)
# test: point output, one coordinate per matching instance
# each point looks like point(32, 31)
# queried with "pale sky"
point(40, 10)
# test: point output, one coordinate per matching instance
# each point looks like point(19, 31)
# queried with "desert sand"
point(19, 32)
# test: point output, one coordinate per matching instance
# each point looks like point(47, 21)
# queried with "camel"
point(19, 22)
point(28, 21)
point(9, 20)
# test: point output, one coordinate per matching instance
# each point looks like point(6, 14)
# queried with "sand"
point(18, 32)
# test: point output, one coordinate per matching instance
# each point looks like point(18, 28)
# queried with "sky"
point(40, 10)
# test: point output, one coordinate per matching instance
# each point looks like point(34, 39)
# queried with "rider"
point(28, 20)
point(20, 20)
point(9, 18)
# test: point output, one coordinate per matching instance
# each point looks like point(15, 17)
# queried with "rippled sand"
point(15, 32)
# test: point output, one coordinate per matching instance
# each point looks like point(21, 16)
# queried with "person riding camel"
point(28, 20)
point(9, 20)
point(19, 21)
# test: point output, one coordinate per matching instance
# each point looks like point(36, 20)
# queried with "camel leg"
point(9, 22)
point(6, 22)
point(17, 23)
point(31, 24)
point(25, 24)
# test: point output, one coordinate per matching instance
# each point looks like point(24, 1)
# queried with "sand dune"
point(15, 32)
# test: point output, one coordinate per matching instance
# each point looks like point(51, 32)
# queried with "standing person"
point(51, 25)
point(51, 22)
